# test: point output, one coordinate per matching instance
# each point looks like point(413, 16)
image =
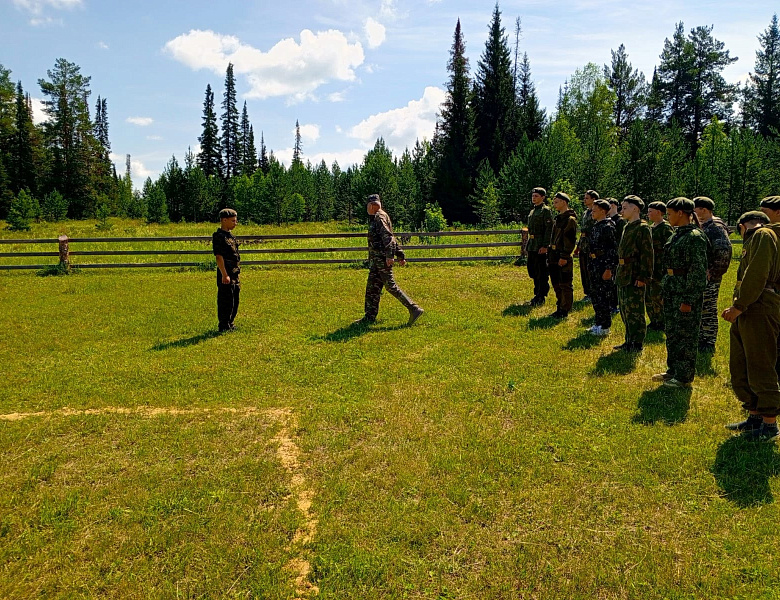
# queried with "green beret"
point(657, 206)
point(613, 201)
point(563, 196)
point(635, 200)
point(373, 198)
point(703, 202)
point(753, 215)
point(771, 202)
point(681, 204)
point(539, 190)
point(602, 204)
point(227, 213)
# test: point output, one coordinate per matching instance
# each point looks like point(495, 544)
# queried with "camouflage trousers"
point(601, 296)
point(708, 334)
point(381, 276)
point(632, 310)
point(587, 288)
point(655, 303)
point(538, 271)
point(752, 362)
point(562, 279)
point(682, 338)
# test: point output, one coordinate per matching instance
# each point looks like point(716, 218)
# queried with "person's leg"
point(760, 360)
point(655, 305)
point(392, 287)
point(686, 339)
point(587, 288)
point(236, 296)
point(555, 279)
point(567, 287)
point(224, 305)
point(373, 292)
point(708, 334)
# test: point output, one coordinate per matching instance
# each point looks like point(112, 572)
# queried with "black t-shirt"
point(225, 244)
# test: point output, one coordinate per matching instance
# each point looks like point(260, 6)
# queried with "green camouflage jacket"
point(540, 224)
point(381, 241)
point(661, 233)
point(586, 225)
point(715, 230)
point(758, 276)
point(635, 254)
point(685, 262)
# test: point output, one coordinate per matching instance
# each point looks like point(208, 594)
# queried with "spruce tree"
point(231, 149)
point(297, 148)
point(495, 97)
point(23, 176)
point(210, 156)
point(247, 145)
point(262, 161)
point(456, 140)
point(23, 210)
point(531, 116)
point(762, 94)
point(629, 87)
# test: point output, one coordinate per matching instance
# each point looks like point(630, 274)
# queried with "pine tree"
point(762, 94)
point(247, 144)
point(23, 210)
point(456, 140)
point(531, 116)
point(210, 156)
point(262, 162)
point(156, 205)
point(655, 102)
point(231, 149)
point(7, 108)
point(297, 148)
point(495, 97)
point(629, 87)
point(23, 175)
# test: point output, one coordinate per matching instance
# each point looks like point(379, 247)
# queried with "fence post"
point(64, 252)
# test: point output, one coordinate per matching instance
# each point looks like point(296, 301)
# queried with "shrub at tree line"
point(611, 130)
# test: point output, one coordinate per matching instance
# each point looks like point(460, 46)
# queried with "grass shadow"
point(190, 341)
point(616, 363)
point(663, 405)
point(704, 367)
point(353, 330)
point(653, 337)
point(547, 322)
point(583, 341)
point(579, 305)
point(588, 321)
point(517, 310)
point(742, 469)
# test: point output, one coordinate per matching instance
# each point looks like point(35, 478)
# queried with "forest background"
point(682, 131)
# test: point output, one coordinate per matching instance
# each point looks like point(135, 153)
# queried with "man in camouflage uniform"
point(225, 247)
point(770, 206)
point(720, 247)
point(559, 257)
point(685, 260)
point(755, 317)
point(382, 252)
point(634, 272)
point(661, 231)
point(603, 260)
point(540, 225)
point(586, 224)
point(614, 214)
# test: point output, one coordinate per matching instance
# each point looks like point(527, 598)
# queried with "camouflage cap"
point(703, 202)
point(373, 198)
point(753, 215)
point(681, 204)
point(635, 200)
point(771, 202)
point(657, 205)
point(613, 201)
point(539, 190)
point(563, 196)
point(602, 204)
point(227, 213)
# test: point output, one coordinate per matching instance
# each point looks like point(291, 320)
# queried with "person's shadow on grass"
point(654, 337)
point(579, 305)
point(663, 405)
point(616, 363)
point(190, 341)
point(742, 469)
point(704, 366)
point(547, 322)
point(583, 341)
point(517, 310)
point(353, 330)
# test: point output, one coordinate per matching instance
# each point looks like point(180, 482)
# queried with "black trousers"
point(587, 288)
point(538, 271)
point(227, 303)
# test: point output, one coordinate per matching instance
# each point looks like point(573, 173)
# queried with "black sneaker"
point(749, 424)
point(767, 432)
point(656, 327)
point(559, 314)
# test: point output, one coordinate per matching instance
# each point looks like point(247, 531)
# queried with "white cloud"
point(154, 138)
point(289, 69)
point(337, 96)
point(140, 121)
point(338, 129)
point(345, 158)
point(375, 33)
point(138, 171)
point(36, 7)
point(401, 127)
point(309, 132)
point(38, 114)
point(388, 9)
point(102, 45)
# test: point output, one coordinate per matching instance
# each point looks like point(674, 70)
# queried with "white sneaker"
point(603, 332)
point(595, 330)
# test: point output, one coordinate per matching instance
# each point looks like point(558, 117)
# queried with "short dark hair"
point(593, 194)
point(227, 213)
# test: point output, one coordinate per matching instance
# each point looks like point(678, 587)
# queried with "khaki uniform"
point(540, 224)
point(635, 263)
point(562, 243)
point(655, 302)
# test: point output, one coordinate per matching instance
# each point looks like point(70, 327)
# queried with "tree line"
point(684, 131)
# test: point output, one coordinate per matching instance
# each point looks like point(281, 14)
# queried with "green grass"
point(486, 452)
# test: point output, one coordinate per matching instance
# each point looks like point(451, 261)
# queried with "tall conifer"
point(210, 155)
point(762, 104)
point(231, 149)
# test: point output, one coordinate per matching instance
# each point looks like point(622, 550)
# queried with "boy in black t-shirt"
point(225, 247)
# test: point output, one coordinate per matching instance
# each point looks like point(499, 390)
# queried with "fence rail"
point(65, 253)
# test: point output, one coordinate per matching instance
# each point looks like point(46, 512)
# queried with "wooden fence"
point(65, 253)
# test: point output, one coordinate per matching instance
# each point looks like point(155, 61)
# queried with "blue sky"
point(348, 70)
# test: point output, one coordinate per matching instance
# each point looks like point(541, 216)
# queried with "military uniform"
point(540, 224)
point(602, 256)
point(635, 263)
point(655, 303)
point(720, 244)
point(586, 225)
point(685, 263)
point(382, 245)
point(225, 244)
point(620, 224)
point(562, 243)
point(751, 358)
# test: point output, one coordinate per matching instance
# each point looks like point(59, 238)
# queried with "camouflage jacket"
point(564, 235)
point(586, 225)
point(620, 225)
point(602, 248)
point(661, 233)
point(758, 276)
point(635, 254)
point(540, 224)
point(716, 231)
point(381, 241)
point(685, 262)
point(225, 244)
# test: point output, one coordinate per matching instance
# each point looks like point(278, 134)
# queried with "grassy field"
point(486, 452)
